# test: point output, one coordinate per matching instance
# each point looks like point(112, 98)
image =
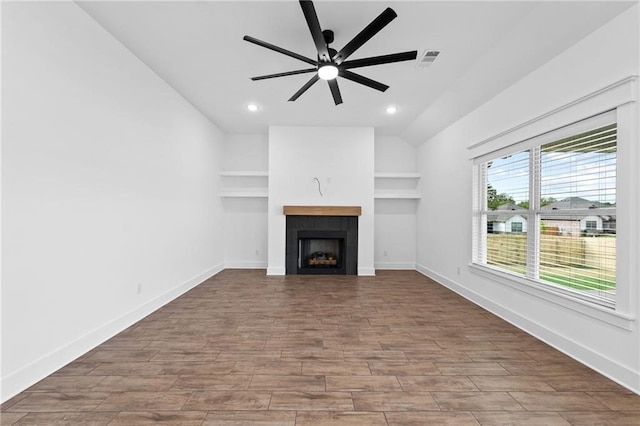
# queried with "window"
point(564, 186)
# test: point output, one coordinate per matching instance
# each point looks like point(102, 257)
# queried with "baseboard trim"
point(246, 265)
point(395, 265)
point(607, 367)
point(366, 272)
point(35, 371)
point(276, 271)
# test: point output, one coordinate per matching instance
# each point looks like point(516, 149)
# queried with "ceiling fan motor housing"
point(328, 36)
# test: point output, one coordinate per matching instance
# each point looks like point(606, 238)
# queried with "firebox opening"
point(320, 253)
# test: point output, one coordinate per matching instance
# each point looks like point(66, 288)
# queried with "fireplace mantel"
point(322, 210)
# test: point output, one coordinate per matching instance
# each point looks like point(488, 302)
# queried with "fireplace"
point(322, 245)
point(321, 250)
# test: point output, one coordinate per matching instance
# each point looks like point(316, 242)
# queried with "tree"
point(545, 201)
point(494, 200)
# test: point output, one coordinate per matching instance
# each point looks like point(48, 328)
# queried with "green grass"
point(583, 282)
point(580, 283)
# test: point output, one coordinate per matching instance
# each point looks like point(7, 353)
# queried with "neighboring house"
point(507, 219)
point(504, 219)
point(577, 225)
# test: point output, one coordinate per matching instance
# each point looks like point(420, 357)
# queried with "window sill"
point(527, 286)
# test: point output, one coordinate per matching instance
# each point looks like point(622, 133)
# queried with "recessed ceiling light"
point(392, 109)
point(252, 107)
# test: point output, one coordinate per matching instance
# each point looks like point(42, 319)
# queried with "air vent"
point(428, 57)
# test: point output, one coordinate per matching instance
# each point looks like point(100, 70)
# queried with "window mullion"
point(481, 207)
point(533, 230)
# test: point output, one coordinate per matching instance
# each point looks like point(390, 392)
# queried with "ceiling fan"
point(331, 63)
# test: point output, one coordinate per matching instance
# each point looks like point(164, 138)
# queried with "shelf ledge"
point(244, 173)
point(397, 175)
point(245, 194)
point(397, 196)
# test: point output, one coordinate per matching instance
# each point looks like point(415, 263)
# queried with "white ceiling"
point(197, 48)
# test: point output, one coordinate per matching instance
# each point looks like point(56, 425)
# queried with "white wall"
point(444, 236)
point(395, 219)
point(109, 190)
point(245, 218)
point(394, 154)
point(342, 159)
point(246, 152)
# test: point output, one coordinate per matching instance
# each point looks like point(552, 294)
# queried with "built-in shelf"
point(245, 184)
point(245, 194)
point(397, 175)
point(245, 173)
point(389, 185)
point(397, 196)
point(397, 185)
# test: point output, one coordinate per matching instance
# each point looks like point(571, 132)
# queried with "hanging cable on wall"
point(319, 189)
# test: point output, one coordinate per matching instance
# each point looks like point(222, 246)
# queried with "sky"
point(590, 175)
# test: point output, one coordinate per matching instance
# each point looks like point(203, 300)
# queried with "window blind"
point(578, 197)
point(547, 212)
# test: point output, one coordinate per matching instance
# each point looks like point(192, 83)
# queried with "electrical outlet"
point(458, 270)
point(257, 252)
point(385, 253)
point(139, 288)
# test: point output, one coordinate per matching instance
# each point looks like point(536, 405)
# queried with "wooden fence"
point(591, 252)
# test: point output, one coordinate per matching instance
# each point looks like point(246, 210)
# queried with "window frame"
point(534, 148)
point(535, 247)
point(621, 97)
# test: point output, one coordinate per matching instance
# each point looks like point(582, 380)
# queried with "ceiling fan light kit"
point(330, 63)
point(327, 72)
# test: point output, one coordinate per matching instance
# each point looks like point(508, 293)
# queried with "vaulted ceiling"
point(197, 48)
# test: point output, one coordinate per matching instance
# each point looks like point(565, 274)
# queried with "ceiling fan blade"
point(335, 91)
point(363, 80)
point(304, 88)
point(284, 74)
point(370, 30)
point(316, 31)
point(379, 60)
point(279, 50)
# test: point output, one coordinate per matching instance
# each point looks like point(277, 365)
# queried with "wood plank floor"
point(395, 349)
